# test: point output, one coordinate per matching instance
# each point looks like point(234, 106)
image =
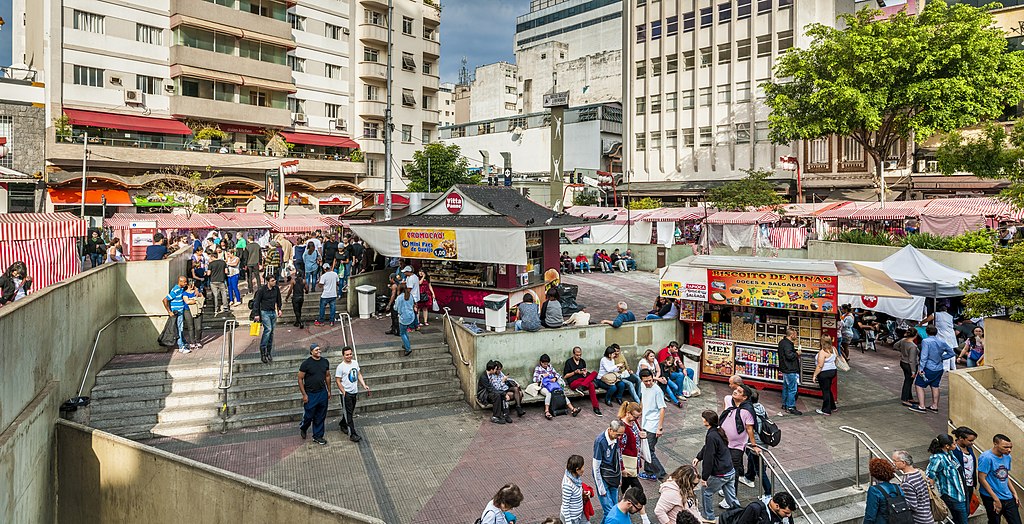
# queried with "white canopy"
point(923, 277)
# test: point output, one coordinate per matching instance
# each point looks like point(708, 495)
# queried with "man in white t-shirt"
point(346, 376)
point(412, 282)
point(652, 421)
point(329, 297)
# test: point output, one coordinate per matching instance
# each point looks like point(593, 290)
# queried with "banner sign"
point(436, 244)
point(774, 290)
point(461, 301)
point(671, 289)
point(718, 357)
point(272, 201)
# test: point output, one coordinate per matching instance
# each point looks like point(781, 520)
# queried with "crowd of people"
point(600, 260)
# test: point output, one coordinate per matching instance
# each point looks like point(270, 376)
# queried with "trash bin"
point(367, 300)
point(496, 312)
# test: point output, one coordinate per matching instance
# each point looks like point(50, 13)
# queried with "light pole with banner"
point(790, 163)
point(289, 167)
point(557, 102)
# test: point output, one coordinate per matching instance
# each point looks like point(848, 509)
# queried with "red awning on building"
point(311, 139)
point(79, 117)
point(93, 197)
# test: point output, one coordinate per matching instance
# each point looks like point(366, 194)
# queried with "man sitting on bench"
point(486, 393)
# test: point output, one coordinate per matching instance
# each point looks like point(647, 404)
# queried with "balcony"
point(371, 108)
point(373, 33)
point(201, 58)
point(431, 48)
point(373, 71)
point(432, 11)
point(379, 4)
point(247, 22)
point(372, 146)
point(431, 82)
point(216, 110)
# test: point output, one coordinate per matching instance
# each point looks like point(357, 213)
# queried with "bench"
point(534, 399)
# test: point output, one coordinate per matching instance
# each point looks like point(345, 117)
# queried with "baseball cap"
point(407, 269)
point(327, 266)
point(313, 346)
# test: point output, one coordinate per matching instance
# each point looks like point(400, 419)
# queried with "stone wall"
point(972, 404)
point(25, 146)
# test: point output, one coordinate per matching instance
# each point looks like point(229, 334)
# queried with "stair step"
point(158, 386)
point(395, 365)
point(292, 400)
point(153, 401)
point(377, 382)
point(366, 357)
point(192, 414)
point(834, 498)
point(128, 375)
point(175, 429)
point(245, 420)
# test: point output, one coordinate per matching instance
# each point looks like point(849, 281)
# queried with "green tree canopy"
point(447, 168)
point(754, 191)
point(881, 80)
point(1002, 285)
point(995, 153)
point(644, 203)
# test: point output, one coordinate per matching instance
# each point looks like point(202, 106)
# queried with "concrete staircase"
point(310, 309)
point(147, 401)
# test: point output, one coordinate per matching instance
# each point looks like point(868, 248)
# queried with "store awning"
point(179, 19)
point(676, 214)
point(319, 140)
point(205, 74)
point(743, 217)
point(79, 117)
point(38, 226)
point(860, 280)
point(297, 224)
point(273, 85)
point(115, 197)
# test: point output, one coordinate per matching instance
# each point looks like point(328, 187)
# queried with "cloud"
point(481, 30)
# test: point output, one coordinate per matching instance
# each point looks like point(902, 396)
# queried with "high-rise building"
point(234, 85)
point(585, 26)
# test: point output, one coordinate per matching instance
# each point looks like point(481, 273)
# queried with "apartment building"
point(585, 26)
point(22, 132)
point(236, 86)
point(446, 104)
point(698, 115)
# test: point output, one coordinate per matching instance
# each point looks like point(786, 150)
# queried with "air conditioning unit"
point(340, 124)
point(933, 166)
point(132, 96)
point(116, 80)
point(169, 88)
point(345, 31)
point(299, 118)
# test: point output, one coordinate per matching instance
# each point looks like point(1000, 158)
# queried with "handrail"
point(860, 437)
point(980, 450)
point(776, 468)
point(348, 336)
point(227, 354)
point(96, 344)
point(450, 325)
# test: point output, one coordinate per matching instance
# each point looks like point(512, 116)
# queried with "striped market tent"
point(676, 214)
point(787, 237)
point(45, 242)
point(248, 220)
point(297, 224)
point(744, 217)
point(896, 211)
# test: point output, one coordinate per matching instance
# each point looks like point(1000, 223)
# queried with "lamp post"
point(85, 157)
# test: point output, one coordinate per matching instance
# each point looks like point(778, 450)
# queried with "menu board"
point(718, 357)
point(773, 290)
point(437, 244)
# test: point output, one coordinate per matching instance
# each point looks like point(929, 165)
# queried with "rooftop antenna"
point(464, 72)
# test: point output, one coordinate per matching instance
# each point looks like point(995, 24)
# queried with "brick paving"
point(442, 463)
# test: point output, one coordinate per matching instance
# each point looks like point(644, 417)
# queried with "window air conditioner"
point(299, 118)
point(340, 124)
point(132, 96)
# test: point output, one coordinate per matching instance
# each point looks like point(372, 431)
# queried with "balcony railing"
point(200, 147)
point(18, 73)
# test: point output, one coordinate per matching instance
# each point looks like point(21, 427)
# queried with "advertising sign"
point(453, 202)
point(435, 244)
point(774, 290)
point(685, 283)
point(273, 194)
point(671, 289)
point(462, 302)
point(719, 357)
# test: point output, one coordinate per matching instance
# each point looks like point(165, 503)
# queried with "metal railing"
point(779, 474)
point(861, 438)
point(96, 343)
point(227, 355)
point(180, 145)
point(450, 326)
point(348, 336)
point(979, 450)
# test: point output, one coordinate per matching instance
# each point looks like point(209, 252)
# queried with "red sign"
point(870, 302)
point(454, 203)
point(463, 302)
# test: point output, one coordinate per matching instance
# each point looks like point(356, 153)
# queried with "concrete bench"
point(534, 399)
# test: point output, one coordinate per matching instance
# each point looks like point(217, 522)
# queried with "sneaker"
point(794, 411)
point(781, 413)
point(355, 438)
point(320, 441)
point(185, 350)
point(647, 476)
point(721, 494)
point(508, 419)
point(917, 409)
point(723, 505)
point(820, 412)
point(302, 433)
point(318, 323)
point(597, 411)
point(746, 482)
point(497, 420)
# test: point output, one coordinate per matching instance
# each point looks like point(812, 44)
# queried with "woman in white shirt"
point(608, 375)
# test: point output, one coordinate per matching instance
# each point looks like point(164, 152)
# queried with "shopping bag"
point(435, 308)
point(254, 329)
point(842, 364)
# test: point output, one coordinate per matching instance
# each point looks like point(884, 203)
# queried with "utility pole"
point(85, 157)
point(627, 90)
point(387, 121)
point(428, 173)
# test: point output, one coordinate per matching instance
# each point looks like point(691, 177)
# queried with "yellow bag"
point(254, 329)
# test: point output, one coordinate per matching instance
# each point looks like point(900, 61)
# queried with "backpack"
point(732, 516)
point(897, 510)
point(767, 431)
point(559, 406)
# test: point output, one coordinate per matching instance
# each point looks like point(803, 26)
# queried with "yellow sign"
point(437, 244)
point(719, 357)
point(670, 289)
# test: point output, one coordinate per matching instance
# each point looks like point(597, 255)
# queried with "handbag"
point(974, 503)
point(254, 329)
point(842, 364)
point(630, 466)
point(610, 379)
point(645, 450)
point(939, 510)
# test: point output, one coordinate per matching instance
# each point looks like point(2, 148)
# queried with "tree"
point(447, 168)
point(1001, 282)
point(880, 81)
point(994, 153)
point(187, 188)
point(754, 191)
point(644, 203)
point(585, 198)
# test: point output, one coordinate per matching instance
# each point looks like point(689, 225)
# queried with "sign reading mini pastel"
point(437, 244)
point(775, 290)
point(718, 357)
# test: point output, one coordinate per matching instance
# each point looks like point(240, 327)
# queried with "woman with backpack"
point(549, 381)
point(884, 497)
point(945, 474)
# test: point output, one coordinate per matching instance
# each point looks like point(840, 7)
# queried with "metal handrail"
point(348, 336)
point(450, 326)
point(860, 437)
point(791, 486)
point(227, 355)
point(96, 343)
point(980, 450)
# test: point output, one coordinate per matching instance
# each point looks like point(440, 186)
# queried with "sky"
point(5, 33)
point(480, 30)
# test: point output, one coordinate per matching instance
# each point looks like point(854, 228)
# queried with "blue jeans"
point(234, 295)
point(268, 319)
point(676, 378)
point(584, 266)
point(789, 383)
point(403, 331)
point(96, 259)
point(315, 412)
point(628, 385)
point(652, 316)
point(754, 463)
point(344, 270)
point(180, 318)
point(312, 278)
point(323, 302)
point(715, 483)
point(957, 510)
point(672, 391)
point(631, 264)
point(614, 391)
point(609, 499)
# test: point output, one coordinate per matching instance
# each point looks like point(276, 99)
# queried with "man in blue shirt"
point(158, 250)
point(997, 492)
point(625, 315)
point(929, 369)
point(633, 501)
point(174, 303)
point(607, 464)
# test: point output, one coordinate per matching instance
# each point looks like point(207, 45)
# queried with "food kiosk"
point(738, 309)
point(476, 241)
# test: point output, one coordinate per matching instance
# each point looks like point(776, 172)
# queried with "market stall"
point(677, 225)
point(739, 229)
point(738, 309)
point(610, 225)
point(45, 242)
point(476, 241)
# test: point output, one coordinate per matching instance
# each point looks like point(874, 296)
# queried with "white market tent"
point(923, 277)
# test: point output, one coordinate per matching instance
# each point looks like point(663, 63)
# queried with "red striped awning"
point(676, 214)
point(311, 139)
point(37, 226)
point(843, 211)
point(248, 220)
point(743, 217)
point(218, 221)
point(887, 212)
point(167, 126)
point(163, 220)
point(48, 260)
point(965, 207)
point(297, 224)
point(332, 221)
point(787, 237)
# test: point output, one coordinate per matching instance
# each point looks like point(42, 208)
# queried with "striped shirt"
point(916, 493)
point(945, 470)
point(176, 298)
point(572, 498)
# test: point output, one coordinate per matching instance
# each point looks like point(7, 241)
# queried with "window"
point(759, 89)
point(84, 21)
point(706, 16)
point(705, 57)
point(408, 62)
point(688, 21)
point(671, 64)
point(722, 134)
point(743, 133)
point(148, 84)
point(687, 99)
point(641, 69)
point(297, 64)
point(671, 26)
point(371, 129)
point(375, 18)
point(428, 102)
point(257, 98)
point(510, 106)
point(332, 110)
point(333, 32)
point(705, 136)
point(371, 55)
point(641, 3)
point(724, 94)
point(725, 12)
point(295, 105)
point(852, 150)
point(372, 92)
point(428, 68)
point(510, 90)
point(148, 34)
point(297, 22)
point(406, 133)
point(656, 66)
point(88, 76)
point(705, 96)
point(407, 25)
point(670, 101)
point(225, 92)
point(687, 138)
point(408, 99)
point(655, 139)
point(189, 87)
point(332, 71)
point(764, 6)
point(641, 33)
point(428, 33)
point(761, 132)
point(371, 167)
point(743, 49)
point(764, 46)
point(655, 29)
point(688, 61)
point(425, 136)
point(743, 91)
point(785, 40)
point(724, 53)
point(641, 142)
point(785, 3)
point(670, 139)
point(655, 104)
point(641, 105)
point(818, 151)
point(742, 9)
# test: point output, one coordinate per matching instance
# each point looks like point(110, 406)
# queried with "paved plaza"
point(441, 464)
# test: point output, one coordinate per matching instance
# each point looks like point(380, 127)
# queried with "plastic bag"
point(254, 329)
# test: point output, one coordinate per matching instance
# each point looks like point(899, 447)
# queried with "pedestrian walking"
point(349, 378)
point(717, 470)
point(876, 510)
point(297, 293)
point(914, 488)
point(498, 509)
point(573, 496)
point(789, 368)
point(738, 423)
point(678, 495)
point(998, 494)
point(310, 264)
point(653, 423)
point(632, 501)
point(909, 360)
point(95, 248)
point(607, 465)
point(394, 281)
point(406, 315)
point(174, 303)
point(252, 264)
point(219, 283)
point(944, 473)
point(329, 296)
point(315, 386)
point(233, 271)
point(825, 375)
point(266, 309)
point(934, 351)
point(964, 438)
point(629, 445)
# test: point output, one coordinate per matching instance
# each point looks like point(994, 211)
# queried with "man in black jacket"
point(775, 510)
point(789, 368)
point(266, 309)
point(252, 264)
point(487, 394)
